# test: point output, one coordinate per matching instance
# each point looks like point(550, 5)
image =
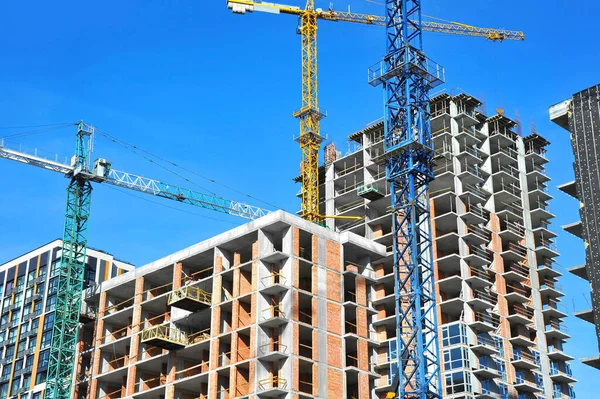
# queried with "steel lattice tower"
point(70, 273)
point(407, 75)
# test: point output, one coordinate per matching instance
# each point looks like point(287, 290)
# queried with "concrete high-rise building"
point(276, 308)
point(499, 310)
point(28, 286)
point(580, 115)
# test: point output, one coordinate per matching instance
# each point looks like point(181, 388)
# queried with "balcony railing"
point(513, 289)
point(511, 188)
point(557, 326)
point(483, 274)
point(521, 311)
point(512, 153)
point(517, 248)
point(551, 284)
point(518, 268)
point(513, 227)
point(481, 252)
point(474, 189)
point(487, 318)
point(485, 296)
point(477, 210)
point(482, 232)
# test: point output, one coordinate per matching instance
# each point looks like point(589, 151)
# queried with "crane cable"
point(44, 129)
point(171, 207)
point(133, 148)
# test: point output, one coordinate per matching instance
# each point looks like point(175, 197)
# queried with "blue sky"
point(214, 92)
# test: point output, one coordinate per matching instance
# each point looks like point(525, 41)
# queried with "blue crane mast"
point(407, 75)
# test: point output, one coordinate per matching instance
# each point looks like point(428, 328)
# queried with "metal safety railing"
point(272, 383)
point(167, 333)
point(190, 292)
point(274, 346)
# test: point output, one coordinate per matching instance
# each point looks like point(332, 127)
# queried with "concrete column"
point(98, 338)
point(171, 375)
point(135, 336)
point(177, 275)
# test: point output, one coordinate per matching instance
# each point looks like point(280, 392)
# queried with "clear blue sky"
point(215, 91)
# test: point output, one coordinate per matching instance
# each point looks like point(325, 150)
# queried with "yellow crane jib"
point(309, 113)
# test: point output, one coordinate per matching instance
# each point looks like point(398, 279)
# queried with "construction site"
point(421, 263)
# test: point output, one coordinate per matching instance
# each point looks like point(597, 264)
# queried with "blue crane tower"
point(407, 75)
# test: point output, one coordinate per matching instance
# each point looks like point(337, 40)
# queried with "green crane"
point(63, 349)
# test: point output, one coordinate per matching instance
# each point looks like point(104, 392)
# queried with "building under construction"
point(499, 310)
point(282, 307)
point(580, 115)
point(279, 307)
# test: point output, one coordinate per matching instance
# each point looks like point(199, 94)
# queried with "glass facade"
point(28, 297)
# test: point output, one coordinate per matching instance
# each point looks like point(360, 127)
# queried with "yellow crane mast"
point(310, 114)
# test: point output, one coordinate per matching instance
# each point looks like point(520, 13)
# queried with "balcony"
point(539, 191)
point(501, 171)
point(466, 115)
point(521, 340)
point(540, 212)
point(517, 294)
point(556, 330)
point(484, 345)
point(451, 303)
point(585, 315)
point(273, 316)
point(515, 271)
point(272, 387)
point(474, 194)
point(273, 351)
point(448, 263)
point(447, 242)
point(546, 248)
point(440, 118)
point(554, 309)
point(190, 298)
point(478, 256)
point(472, 174)
point(484, 322)
point(507, 192)
point(475, 214)
point(548, 269)
point(523, 384)
point(512, 231)
point(480, 278)
point(536, 173)
point(557, 374)
point(513, 251)
point(273, 284)
point(504, 157)
point(486, 369)
point(556, 353)
point(536, 155)
point(481, 300)
point(550, 288)
point(511, 212)
point(469, 154)
point(520, 314)
point(477, 235)
point(524, 360)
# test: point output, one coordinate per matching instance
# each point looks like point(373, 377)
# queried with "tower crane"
point(310, 114)
point(61, 363)
point(407, 75)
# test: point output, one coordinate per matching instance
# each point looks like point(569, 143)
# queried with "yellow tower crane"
point(310, 114)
